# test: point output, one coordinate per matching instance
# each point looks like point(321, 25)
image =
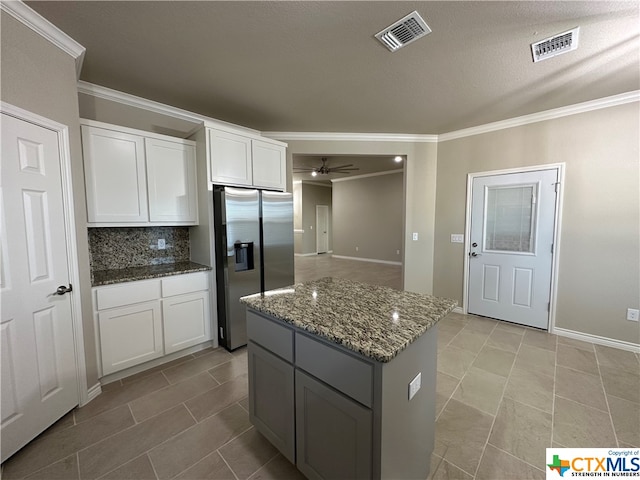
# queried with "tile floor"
point(504, 394)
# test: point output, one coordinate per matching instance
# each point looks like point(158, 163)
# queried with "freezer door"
point(277, 234)
point(240, 249)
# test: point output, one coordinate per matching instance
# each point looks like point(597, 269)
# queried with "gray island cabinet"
point(342, 377)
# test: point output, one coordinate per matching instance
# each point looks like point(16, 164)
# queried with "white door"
point(322, 228)
point(39, 372)
point(511, 254)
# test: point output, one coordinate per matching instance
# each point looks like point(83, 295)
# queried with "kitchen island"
point(342, 377)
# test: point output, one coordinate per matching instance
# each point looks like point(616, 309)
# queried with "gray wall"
point(599, 272)
point(312, 195)
point(40, 78)
point(367, 215)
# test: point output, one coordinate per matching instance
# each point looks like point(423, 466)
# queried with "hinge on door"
point(549, 307)
point(556, 186)
point(552, 248)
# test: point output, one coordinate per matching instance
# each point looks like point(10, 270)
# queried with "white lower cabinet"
point(144, 320)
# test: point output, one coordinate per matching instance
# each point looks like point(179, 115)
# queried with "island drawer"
point(276, 338)
point(342, 371)
point(127, 294)
point(185, 283)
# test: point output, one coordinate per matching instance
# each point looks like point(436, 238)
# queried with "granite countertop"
point(120, 275)
point(377, 322)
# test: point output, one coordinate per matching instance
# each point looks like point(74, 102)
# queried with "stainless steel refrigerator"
point(253, 231)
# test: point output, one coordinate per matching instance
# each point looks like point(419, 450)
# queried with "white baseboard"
point(93, 392)
point(372, 260)
point(305, 254)
point(458, 310)
point(587, 337)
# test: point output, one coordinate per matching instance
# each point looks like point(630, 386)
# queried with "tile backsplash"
point(126, 247)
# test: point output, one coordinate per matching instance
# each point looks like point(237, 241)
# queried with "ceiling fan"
point(325, 169)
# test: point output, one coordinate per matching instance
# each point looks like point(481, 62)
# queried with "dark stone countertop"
point(120, 275)
point(374, 321)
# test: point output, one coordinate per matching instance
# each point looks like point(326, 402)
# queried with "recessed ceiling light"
point(314, 173)
point(398, 159)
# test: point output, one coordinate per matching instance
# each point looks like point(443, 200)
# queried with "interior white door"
point(39, 371)
point(322, 228)
point(511, 254)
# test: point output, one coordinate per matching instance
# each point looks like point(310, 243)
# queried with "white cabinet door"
point(269, 165)
point(171, 179)
point(130, 335)
point(115, 176)
point(230, 158)
point(186, 321)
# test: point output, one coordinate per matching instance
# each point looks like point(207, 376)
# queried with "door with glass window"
point(511, 246)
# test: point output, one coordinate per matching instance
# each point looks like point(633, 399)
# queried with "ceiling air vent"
point(403, 32)
point(556, 45)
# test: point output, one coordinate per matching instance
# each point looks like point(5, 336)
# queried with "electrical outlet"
point(357, 248)
point(415, 236)
point(397, 252)
point(633, 314)
point(415, 385)
point(162, 244)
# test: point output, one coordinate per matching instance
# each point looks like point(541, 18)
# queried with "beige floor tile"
point(540, 339)
point(168, 397)
point(511, 327)
point(159, 368)
point(211, 467)
point(572, 342)
point(121, 395)
point(445, 386)
point(244, 403)
point(137, 469)
point(498, 464)
point(522, 431)
point(119, 449)
point(626, 420)
point(65, 469)
point(481, 389)
point(227, 371)
point(531, 388)
point(580, 387)
point(204, 351)
point(536, 359)
point(48, 449)
point(198, 365)
point(318, 266)
point(461, 434)
point(440, 469)
point(577, 359)
point(218, 398)
point(278, 469)
point(192, 445)
point(449, 328)
point(455, 361)
point(621, 383)
point(444, 338)
point(470, 341)
point(247, 453)
point(481, 325)
point(504, 340)
point(578, 426)
point(494, 360)
point(616, 358)
point(62, 424)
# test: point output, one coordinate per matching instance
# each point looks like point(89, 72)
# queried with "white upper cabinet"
point(171, 180)
point(269, 165)
point(136, 178)
point(114, 166)
point(241, 160)
point(230, 158)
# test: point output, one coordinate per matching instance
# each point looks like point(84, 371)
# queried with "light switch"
point(457, 238)
point(415, 236)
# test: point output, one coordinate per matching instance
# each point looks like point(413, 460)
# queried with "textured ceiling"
point(316, 67)
point(365, 164)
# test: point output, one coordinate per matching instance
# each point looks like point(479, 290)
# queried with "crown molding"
point(367, 175)
point(123, 98)
point(47, 30)
point(353, 137)
point(597, 104)
point(317, 184)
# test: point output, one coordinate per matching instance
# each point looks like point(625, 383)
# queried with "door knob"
point(474, 254)
point(61, 290)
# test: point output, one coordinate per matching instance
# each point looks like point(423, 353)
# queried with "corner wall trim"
point(47, 30)
point(354, 137)
point(92, 393)
point(367, 175)
point(574, 109)
point(372, 260)
point(587, 337)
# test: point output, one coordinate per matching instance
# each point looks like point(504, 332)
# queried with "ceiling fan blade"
point(304, 169)
point(339, 170)
point(340, 166)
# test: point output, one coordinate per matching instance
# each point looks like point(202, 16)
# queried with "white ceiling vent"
point(556, 45)
point(403, 32)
